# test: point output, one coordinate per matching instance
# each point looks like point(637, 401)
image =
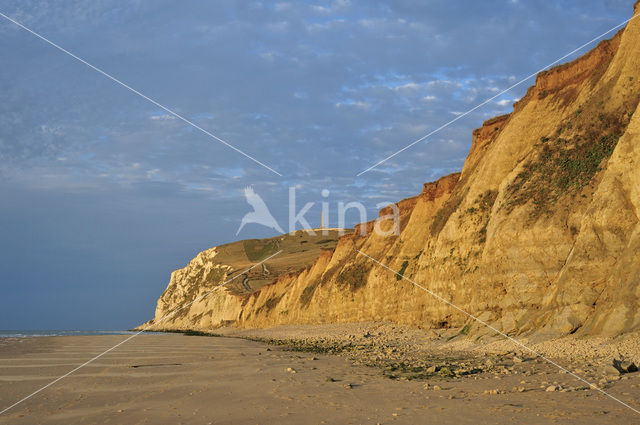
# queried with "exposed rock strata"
point(540, 231)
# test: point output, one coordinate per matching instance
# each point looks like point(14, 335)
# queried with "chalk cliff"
point(540, 232)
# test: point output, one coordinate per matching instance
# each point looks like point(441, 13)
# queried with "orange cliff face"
point(430, 191)
point(539, 233)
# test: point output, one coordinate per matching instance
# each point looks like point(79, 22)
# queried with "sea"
point(33, 334)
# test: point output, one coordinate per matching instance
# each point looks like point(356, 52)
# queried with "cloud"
point(163, 117)
point(318, 91)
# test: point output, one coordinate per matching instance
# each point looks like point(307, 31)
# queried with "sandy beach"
point(172, 378)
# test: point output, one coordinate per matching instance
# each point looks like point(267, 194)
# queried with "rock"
point(348, 386)
point(625, 366)
point(610, 370)
point(517, 359)
point(291, 370)
point(436, 388)
point(551, 388)
point(513, 237)
point(431, 369)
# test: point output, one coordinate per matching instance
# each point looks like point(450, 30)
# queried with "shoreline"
point(407, 353)
point(172, 378)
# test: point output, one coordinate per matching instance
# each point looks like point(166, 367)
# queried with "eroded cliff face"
point(539, 233)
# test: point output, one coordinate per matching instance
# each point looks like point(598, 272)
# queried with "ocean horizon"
point(62, 332)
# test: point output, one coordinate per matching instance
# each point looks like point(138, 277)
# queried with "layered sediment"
point(538, 233)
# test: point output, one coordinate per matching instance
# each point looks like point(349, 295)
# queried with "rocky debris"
point(551, 388)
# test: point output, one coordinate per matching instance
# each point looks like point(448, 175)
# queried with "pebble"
point(551, 388)
point(291, 370)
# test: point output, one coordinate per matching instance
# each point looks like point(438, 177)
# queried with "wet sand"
point(160, 379)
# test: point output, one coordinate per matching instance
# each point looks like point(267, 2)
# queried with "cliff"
point(539, 233)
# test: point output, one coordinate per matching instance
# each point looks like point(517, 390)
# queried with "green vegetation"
point(565, 166)
point(258, 249)
point(464, 331)
point(190, 332)
point(307, 294)
point(482, 206)
point(444, 213)
point(403, 268)
point(354, 276)
point(270, 304)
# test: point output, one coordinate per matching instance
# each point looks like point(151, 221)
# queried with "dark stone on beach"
point(625, 366)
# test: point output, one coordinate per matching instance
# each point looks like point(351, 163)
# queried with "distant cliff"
point(539, 232)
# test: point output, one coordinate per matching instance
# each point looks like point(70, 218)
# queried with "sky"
point(103, 193)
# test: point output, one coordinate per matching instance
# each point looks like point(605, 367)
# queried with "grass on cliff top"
point(259, 249)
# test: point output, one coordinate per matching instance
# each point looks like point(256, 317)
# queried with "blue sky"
point(104, 194)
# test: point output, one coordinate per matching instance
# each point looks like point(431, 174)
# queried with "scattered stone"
point(551, 388)
point(291, 370)
point(348, 386)
point(436, 388)
point(517, 359)
point(431, 369)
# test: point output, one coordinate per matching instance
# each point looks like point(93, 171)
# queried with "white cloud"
point(163, 117)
